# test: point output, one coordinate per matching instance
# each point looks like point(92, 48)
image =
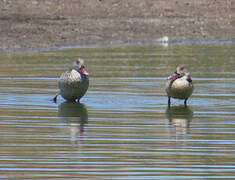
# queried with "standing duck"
point(74, 83)
point(179, 85)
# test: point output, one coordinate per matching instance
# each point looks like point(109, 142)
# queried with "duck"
point(179, 85)
point(73, 84)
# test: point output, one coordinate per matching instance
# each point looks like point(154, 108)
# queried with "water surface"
point(122, 129)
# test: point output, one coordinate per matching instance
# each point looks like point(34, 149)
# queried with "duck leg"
point(169, 101)
point(185, 102)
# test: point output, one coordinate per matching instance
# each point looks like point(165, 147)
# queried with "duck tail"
point(55, 98)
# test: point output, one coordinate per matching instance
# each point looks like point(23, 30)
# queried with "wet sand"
point(39, 24)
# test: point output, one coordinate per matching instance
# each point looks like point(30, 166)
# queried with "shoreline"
point(36, 24)
point(131, 43)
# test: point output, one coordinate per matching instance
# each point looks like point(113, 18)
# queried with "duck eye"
point(177, 73)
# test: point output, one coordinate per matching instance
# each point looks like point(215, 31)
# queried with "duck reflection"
point(76, 116)
point(179, 117)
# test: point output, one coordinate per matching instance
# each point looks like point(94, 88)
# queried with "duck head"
point(180, 72)
point(78, 65)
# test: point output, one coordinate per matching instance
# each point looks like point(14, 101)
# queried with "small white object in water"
point(163, 41)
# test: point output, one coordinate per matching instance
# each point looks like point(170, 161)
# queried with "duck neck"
point(78, 70)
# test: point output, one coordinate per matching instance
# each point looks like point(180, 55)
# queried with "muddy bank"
point(37, 24)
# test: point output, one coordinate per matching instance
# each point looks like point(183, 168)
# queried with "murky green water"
point(122, 129)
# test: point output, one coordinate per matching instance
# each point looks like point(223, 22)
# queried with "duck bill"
point(84, 71)
point(169, 77)
point(173, 76)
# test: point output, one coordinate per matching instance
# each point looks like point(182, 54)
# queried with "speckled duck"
point(179, 85)
point(73, 84)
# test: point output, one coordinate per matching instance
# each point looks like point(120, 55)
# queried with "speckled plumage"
point(73, 84)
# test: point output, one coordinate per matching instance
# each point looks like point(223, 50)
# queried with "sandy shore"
point(36, 24)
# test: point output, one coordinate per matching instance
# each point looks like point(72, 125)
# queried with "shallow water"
point(122, 129)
